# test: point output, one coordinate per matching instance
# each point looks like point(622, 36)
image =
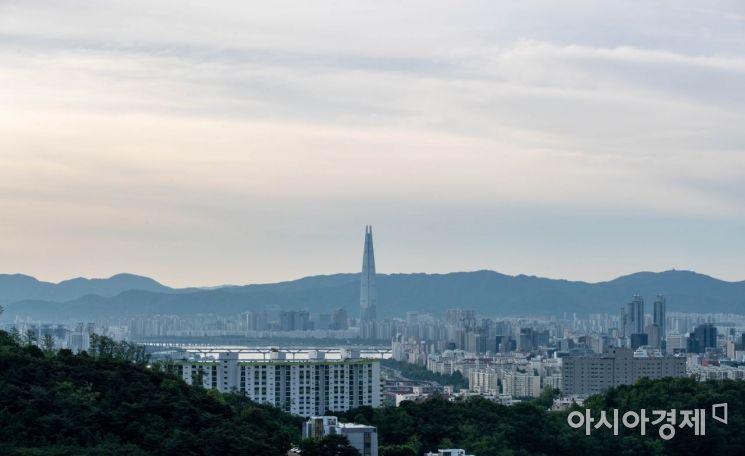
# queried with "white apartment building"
point(552, 381)
point(302, 387)
point(518, 384)
point(78, 341)
point(484, 380)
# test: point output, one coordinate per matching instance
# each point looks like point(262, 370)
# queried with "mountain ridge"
point(16, 287)
point(490, 293)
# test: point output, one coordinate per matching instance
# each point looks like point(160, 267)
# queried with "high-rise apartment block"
point(519, 384)
point(303, 387)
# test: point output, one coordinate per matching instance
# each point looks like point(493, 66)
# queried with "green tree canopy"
point(68, 404)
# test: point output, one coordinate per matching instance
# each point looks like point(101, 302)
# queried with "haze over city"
point(245, 142)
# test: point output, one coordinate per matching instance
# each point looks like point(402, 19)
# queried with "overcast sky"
point(204, 143)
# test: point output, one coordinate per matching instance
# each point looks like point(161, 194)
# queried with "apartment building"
point(307, 387)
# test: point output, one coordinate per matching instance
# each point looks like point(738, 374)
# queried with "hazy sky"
point(217, 142)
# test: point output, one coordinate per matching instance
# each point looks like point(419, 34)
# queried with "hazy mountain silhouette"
point(489, 293)
point(16, 287)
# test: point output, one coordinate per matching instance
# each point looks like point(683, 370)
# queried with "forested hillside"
point(62, 404)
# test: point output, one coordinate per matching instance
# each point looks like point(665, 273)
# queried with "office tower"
point(660, 311)
point(475, 342)
point(303, 321)
point(703, 337)
point(323, 321)
point(367, 288)
point(304, 387)
point(339, 320)
point(530, 339)
point(632, 319)
point(594, 374)
point(638, 314)
point(676, 343)
point(462, 317)
point(638, 340)
point(654, 336)
point(525, 340)
point(294, 320)
point(288, 320)
point(257, 320)
point(502, 343)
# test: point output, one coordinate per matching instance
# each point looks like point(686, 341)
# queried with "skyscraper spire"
point(367, 288)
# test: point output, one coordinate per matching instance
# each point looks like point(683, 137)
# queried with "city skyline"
point(247, 142)
point(557, 190)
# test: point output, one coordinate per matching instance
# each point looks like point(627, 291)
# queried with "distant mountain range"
point(489, 293)
point(17, 287)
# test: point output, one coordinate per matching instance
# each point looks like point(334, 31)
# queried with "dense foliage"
point(679, 394)
point(65, 404)
point(485, 428)
point(106, 348)
point(330, 445)
point(110, 403)
point(416, 372)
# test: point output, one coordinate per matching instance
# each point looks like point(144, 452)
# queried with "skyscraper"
point(660, 310)
point(339, 320)
point(367, 288)
point(703, 337)
point(633, 317)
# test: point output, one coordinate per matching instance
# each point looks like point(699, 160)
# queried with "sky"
point(206, 143)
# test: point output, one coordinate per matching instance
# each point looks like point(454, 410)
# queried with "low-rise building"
point(364, 438)
point(593, 374)
point(449, 452)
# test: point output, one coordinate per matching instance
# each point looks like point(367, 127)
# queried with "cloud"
point(166, 126)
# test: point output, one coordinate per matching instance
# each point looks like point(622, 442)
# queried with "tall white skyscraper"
point(367, 288)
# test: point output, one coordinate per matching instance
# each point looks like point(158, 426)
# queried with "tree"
point(30, 338)
point(102, 347)
point(15, 335)
point(330, 445)
point(66, 404)
point(48, 343)
point(397, 450)
point(546, 399)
